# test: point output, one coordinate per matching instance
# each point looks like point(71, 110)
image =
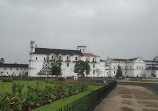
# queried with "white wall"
point(9, 71)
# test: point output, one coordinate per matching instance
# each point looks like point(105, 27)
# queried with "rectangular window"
point(21, 68)
point(36, 58)
point(114, 72)
point(52, 57)
point(67, 58)
point(67, 64)
point(4, 68)
point(44, 59)
point(10, 68)
point(16, 68)
point(93, 71)
point(93, 65)
point(76, 58)
point(93, 59)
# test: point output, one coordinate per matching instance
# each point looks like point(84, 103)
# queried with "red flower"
point(62, 82)
point(37, 82)
point(46, 87)
point(50, 74)
point(51, 83)
point(5, 92)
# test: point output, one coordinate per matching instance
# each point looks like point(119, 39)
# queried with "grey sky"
point(115, 28)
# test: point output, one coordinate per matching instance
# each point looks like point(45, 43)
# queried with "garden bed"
point(27, 95)
point(63, 102)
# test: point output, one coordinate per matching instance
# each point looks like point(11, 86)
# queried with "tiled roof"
point(89, 54)
point(56, 51)
point(14, 65)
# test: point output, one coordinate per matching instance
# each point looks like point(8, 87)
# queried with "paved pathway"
point(129, 98)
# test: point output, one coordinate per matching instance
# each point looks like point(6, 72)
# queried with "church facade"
point(68, 58)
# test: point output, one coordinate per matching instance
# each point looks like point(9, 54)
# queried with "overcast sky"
point(114, 28)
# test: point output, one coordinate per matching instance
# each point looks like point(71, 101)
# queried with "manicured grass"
point(140, 80)
point(7, 86)
point(62, 102)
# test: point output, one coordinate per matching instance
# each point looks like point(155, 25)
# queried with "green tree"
point(153, 75)
point(46, 67)
point(81, 67)
point(2, 60)
point(56, 66)
point(119, 72)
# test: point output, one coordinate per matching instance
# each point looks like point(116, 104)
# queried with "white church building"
point(68, 59)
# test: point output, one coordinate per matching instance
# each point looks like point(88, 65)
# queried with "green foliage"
point(56, 70)
point(56, 66)
point(81, 67)
point(65, 101)
point(36, 96)
point(7, 80)
point(153, 75)
point(2, 60)
point(119, 72)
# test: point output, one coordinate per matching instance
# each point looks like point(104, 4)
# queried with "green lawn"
point(7, 86)
point(140, 80)
point(62, 102)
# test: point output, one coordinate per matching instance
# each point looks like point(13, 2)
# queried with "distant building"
point(13, 69)
point(130, 67)
point(135, 67)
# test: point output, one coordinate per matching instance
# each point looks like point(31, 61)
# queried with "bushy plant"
point(7, 80)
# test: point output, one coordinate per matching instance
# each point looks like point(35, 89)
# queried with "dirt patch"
point(124, 91)
point(126, 109)
point(126, 96)
point(149, 104)
point(128, 102)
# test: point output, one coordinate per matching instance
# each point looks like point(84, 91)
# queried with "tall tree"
point(2, 60)
point(46, 67)
point(119, 72)
point(56, 66)
point(81, 67)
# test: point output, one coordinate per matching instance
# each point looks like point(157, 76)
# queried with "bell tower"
point(82, 48)
point(32, 46)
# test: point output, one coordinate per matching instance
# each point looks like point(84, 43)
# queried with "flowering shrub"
point(35, 96)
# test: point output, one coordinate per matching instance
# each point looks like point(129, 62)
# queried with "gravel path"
point(129, 98)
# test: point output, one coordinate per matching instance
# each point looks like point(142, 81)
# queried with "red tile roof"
point(89, 54)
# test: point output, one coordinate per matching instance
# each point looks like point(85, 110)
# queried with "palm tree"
point(2, 60)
